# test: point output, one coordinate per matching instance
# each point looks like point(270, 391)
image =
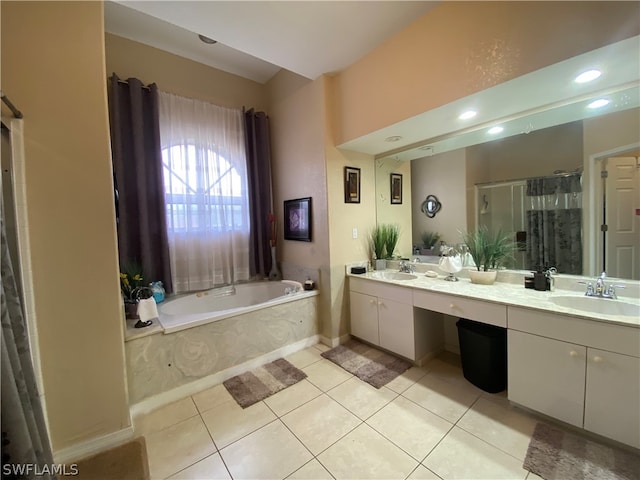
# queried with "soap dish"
point(431, 274)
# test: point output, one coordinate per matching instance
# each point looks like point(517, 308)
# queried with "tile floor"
point(429, 423)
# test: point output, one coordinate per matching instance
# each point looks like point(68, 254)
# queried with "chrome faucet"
point(601, 289)
point(406, 267)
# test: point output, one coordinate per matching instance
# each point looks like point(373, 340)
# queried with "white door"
point(612, 400)
point(364, 317)
point(622, 204)
point(396, 327)
point(547, 375)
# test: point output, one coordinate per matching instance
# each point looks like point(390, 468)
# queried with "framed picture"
point(396, 188)
point(297, 219)
point(351, 185)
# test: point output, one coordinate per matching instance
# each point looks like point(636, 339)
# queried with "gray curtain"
point(260, 197)
point(24, 431)
point(554, 223)
point(138, 170)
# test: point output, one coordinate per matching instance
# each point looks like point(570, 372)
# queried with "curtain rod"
point(16, 113)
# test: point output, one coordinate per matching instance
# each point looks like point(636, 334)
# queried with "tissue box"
point(358, 270)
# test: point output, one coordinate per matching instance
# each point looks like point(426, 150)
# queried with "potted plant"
point(392, 234)
point(377, 240)
point(429, 241)
point(132, 288)
point(489, 250)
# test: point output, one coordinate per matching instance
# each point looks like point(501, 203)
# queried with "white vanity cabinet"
point(383, 315)
point(583, 372)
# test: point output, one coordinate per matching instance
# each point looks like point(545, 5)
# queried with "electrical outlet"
point(354, 233)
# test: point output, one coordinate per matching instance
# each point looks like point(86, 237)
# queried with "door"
point(396, 327)
point(612, 400)
point(364, 317)
point(622, 217)
point(547, 375)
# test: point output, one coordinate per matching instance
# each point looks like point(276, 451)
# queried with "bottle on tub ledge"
point(157, 288)
point(309, 284)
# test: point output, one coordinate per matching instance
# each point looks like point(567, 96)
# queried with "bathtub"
point(210, 336)
point(192, 310)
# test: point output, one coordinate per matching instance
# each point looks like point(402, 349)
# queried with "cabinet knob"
point(452, 306)
point(597, 359)
point(573, 353)
point(380, 303)
point(372, 302)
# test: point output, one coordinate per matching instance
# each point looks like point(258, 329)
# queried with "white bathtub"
point(200, 308)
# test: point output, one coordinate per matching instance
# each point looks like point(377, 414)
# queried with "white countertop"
point(510, 294)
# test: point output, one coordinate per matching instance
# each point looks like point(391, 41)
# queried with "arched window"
point(205, 183)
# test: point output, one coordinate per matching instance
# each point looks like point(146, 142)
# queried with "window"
point(206, 196)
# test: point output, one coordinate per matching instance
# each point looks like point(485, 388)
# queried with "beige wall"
point(53, 70)
point(459, 48)
point(297, 114)
point(181, 76)
point(395, 214)
point(444, 176)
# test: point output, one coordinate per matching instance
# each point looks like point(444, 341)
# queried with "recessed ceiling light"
point(588, 76)
point(393, 138)
point(494, 130)
point(207, 40)
point(467, 115)
point(599, 103)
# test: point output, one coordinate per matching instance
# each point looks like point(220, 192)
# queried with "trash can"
point(483, 352)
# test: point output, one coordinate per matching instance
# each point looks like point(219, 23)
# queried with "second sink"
point(394, 276)
point(597, 305)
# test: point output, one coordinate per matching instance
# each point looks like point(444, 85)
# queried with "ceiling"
point(258, 38)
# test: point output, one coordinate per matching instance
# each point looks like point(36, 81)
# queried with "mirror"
point(455, 166)
point(431, 206)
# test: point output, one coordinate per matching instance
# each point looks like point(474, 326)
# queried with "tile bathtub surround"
point(429, 423)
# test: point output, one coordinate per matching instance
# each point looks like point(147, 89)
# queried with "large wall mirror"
point(561, 146)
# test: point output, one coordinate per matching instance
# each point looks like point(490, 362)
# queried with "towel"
point(147, 309)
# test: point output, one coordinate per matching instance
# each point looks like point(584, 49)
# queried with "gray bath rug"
point(558, 454)
point(369, 364)
point(251, 387)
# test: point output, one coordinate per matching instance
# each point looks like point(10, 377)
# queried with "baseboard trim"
point(153, 403)
point(95, 445)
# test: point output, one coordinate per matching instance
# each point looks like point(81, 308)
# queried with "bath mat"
point(125, 462)
point(557, 454)
point(369, 364)
point(251, 387)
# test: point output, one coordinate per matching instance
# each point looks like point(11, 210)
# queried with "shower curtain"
point(24, 434)
point(554, 223)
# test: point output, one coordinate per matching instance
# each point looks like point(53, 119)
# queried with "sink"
point(394, 276)
point(605, 306)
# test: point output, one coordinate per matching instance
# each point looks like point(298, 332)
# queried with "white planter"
point(483, 278)
point(381, 264)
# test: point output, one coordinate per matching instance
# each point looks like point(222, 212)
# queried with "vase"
point(381, 264)
point(131, 310)
point(483, 278)
point(274, 273)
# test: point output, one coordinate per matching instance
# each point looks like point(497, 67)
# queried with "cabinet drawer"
point(480, 311)
point(606, 336)
point(381, 290)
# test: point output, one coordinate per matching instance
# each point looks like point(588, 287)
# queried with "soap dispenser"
point(539, 280)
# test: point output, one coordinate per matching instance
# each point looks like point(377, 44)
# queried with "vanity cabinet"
point(384, 315)
point(583, 372)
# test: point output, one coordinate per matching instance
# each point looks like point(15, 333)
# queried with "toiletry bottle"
point(158, 291)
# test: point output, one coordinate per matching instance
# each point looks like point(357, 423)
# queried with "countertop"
point(512, 293)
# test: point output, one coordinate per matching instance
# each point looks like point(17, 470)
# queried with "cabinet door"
point(612, 401)
point(364, 317)
point(547, 375)
point(396, 327)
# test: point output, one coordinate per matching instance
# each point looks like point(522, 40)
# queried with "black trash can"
point(483, 352)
